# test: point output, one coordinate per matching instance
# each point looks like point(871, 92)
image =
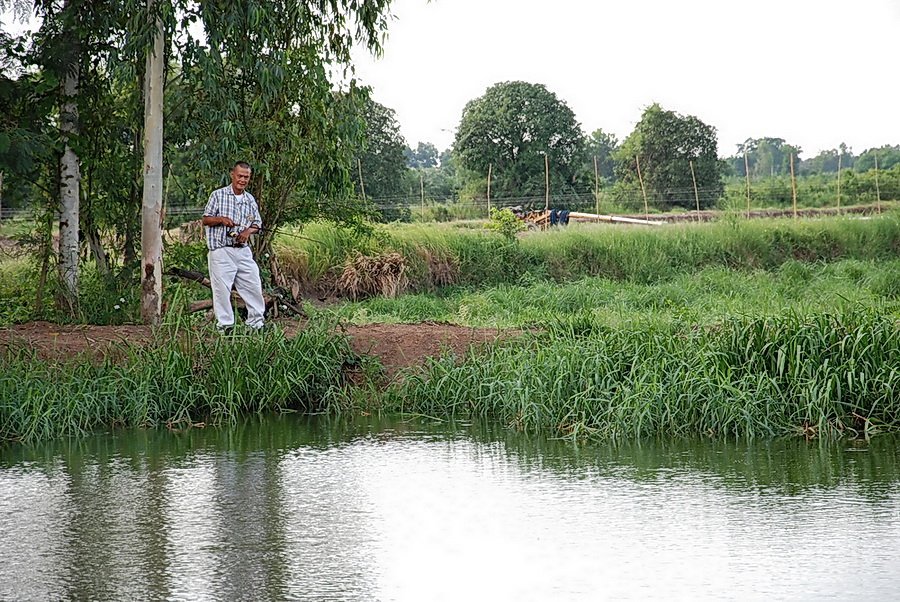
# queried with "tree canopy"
point(380, 159)
point(667, 144)
point(511, 128)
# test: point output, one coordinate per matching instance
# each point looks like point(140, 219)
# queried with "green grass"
point(707, 296)
point(829, 375)
point(188, 376)
point(477, 258)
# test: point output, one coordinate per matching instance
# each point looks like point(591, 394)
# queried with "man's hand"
point(227, 222)
point(243, 236)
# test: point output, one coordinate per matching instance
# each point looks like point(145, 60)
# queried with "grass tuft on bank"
point(826, 375)
point(184, 378)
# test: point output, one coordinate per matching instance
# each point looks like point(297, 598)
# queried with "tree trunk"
point(69, 185)
point(96, 245)
point(151, 208)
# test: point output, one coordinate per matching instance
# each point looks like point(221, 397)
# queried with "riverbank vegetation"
point(734, 329)
point(182, 378)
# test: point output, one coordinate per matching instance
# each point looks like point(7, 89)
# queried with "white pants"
point(235, 266)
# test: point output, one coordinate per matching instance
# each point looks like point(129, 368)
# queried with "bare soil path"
point(397, 346)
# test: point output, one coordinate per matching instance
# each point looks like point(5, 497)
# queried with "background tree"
point(766, 157)
point(380, 161)
point(667, 143)
point(601, 146)
point(888, 157)
point(424, 155)
point(512, 127)
point(827, 161)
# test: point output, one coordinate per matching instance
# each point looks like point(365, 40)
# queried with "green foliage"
point(702, 297)
point(381, 160)
point(505, 223)
point(887, 156)
point(639, 255)
point(600, 146)
point(512, 127)
point(666, 144)
point(766, 157)
point(425, 155)
point(828, 375)
point(184, 377)
point(257, 88)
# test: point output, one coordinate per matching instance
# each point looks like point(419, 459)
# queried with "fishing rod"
point(281, 233)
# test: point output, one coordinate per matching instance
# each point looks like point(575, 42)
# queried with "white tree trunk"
point(69, 185)
point(151, 209)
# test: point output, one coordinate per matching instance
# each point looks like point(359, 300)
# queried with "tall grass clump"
point(815, 376)
point(181, 379)
point(440, 255)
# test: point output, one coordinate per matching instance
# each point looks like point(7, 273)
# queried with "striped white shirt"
point(242, 209)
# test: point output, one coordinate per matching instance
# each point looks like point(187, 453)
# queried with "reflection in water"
point(320, 510)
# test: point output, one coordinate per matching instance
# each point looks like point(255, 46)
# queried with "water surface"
point(307, 509)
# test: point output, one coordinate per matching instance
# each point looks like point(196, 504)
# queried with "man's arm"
point(215, 220)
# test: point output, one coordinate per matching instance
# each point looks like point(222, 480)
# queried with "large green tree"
point(664, 145)
point(380, 160)
point(511, 128)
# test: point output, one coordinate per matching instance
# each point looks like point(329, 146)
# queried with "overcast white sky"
point(814, 72)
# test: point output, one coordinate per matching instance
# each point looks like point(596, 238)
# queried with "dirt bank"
point(397, 346)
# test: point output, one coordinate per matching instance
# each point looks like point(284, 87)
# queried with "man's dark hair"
point(242, 164)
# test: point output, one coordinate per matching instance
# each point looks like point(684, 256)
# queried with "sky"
point(813, 72)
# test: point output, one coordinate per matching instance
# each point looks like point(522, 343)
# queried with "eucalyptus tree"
point(765, 157)
point(511, 129)
point(68, 50)
point(671, 151)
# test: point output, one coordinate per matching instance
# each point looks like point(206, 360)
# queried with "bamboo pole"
point(490, 170)
point(877, 189)
point(422, 192)
point(362, 186)
point(547, 182)
point(793, 186)
point(637, 160)
point(596, 186)
point(747, 176)
point(696, 193)
point(840, 156)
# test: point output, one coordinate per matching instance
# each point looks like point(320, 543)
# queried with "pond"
point(320, 509)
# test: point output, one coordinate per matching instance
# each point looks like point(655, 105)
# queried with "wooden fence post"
point(793, 186)
point(747, 176)
point(490, 169)
point(547, 182)
point(637, 160)
point(839, 183)
point(877, 189)
point(696, 193)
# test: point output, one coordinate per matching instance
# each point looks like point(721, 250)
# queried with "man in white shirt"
point(231, 216)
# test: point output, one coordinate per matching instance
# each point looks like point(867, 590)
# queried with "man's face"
point(240, 177)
